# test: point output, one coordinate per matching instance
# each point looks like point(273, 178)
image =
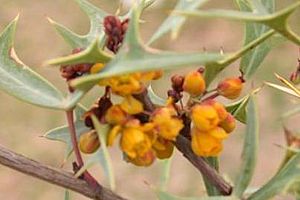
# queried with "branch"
point(54, 176)
point(184, 146)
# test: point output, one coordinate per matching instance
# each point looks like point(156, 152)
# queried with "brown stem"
point(184, 146)
point(54, 176)
point(144, 98)
point(86, 175)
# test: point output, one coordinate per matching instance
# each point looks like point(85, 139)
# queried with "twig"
point(184, 146)
point(86, 175)
point(54, 176)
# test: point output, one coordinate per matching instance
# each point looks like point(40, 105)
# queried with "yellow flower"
point(228, 124)
point(218, 133)
point(131, 105)
point(203, 144)
point(166, 123)
point(230, 88)
point(96, 68)
point(204, 117)
point(134, 142)
point(163, 148)
point(194, 83)
point(152, 75)
point(89, 142)
point(115, 115)
point(222, 112)
point(125, 85)
point(145, 160)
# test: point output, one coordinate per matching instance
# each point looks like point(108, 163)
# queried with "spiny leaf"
point(96, 17)
point(287, 175)
point(287, 83)
point(173, 23)
point(253, 59)
point(250, 150)
point(19, 80)
point(105, 159)
point(276, 21)
point(92, 54)
point(283, 89)
point(63, 134)
point(134, 56)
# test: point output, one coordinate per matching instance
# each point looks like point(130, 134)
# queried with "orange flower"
point(166, 123)
point(145, 160)
point(134, 142)
point(221, 110)
point(230, 88)
point(194, 83)
point(204, 117)
point(96, 68)
point(204, 144)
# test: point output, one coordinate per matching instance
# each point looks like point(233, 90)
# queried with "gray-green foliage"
point(264, 26)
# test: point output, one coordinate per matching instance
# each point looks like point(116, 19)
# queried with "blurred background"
point(36, 41)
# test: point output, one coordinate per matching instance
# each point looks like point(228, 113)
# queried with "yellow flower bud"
point(134, 142)
point(167, 124)
point(205, 145)
point(194, 83)
point(131, 105)
point(204, 117)
point(96, 68)
point(228, 124)
point(115, 115)
point(221, 110)
point(163, 148)
point(89, 142)
point(145, 160)
point(230, 88)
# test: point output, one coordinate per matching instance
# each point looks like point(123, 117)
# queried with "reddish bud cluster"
point(70, 72)
point(115, 30)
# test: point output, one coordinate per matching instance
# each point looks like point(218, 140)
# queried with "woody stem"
point(86, 175)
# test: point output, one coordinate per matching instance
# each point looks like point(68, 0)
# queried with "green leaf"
point(96, 17)
point(67, 195)
point(277, 21)
point(174, 23)
point(19, 80)
point(283, 89)
point(134, 56)
point(155, 98)
point(286, 176)
point(165, 175)
point(104, 157)
point(63, 134)
point(253, 59)
point(249, 156)
point(210, 188)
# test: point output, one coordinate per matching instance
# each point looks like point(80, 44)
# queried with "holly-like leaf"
point(96, 17)
point(283, 179)
point(63, 134)
point(277, 20)
point(253, 59)
point(173, 23)
point(135, 56)
point(19, 80)
point(283, 89)
point(166, 172)
point(249, 156)
point(155, 98)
